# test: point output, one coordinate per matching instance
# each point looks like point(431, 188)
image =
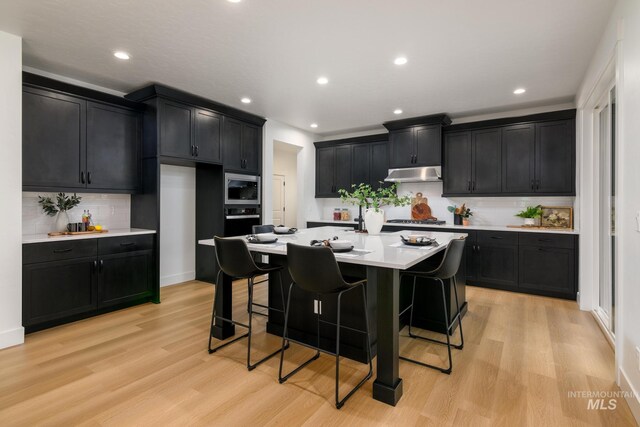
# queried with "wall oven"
point(240, 221)
point(241, 189)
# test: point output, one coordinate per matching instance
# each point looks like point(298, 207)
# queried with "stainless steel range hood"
point(423, 174)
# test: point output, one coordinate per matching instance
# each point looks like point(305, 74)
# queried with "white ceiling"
point(464, 56)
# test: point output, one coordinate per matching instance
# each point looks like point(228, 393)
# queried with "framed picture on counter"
point(557, 217)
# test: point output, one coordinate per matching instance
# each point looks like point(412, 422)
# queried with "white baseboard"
point(12, 337)
point(633, 398)
point(173, 279)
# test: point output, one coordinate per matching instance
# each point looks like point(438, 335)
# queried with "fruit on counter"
point(98, 227)
point(91, 228)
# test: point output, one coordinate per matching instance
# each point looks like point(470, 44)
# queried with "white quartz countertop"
point(459, 227)
point(384, 250)
point(40, 238)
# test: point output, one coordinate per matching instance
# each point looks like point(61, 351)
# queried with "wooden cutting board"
point(75, 233)
point(420, 209)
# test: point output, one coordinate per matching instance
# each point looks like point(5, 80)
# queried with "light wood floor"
point(148, 365)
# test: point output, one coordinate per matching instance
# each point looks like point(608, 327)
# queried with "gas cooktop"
point(417, 221)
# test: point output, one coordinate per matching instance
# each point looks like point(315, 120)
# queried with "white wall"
point(177, 224)
point(285, 162)
point(11, 330)
point(621, 37)
point(307, 205)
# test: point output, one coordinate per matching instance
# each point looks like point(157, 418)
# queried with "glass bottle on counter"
point(336, 214)
point(345, 215)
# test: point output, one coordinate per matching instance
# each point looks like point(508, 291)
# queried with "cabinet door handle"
point(478, 248)
point(533, 184)
point(95, 265)
point(474, 186)
point(197, 150)
point(537, 184)
point(88, 177)
point(61, 251)
point(468, 185)
point(101, 265)
point(82, 177)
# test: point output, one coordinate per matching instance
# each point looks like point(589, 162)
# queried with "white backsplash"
point(498, 211)
point(112, 211)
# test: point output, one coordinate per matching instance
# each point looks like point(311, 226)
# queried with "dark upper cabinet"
point(70, 143)
point(343, 168)
point(176, 128)
point(361, 169)
point(379, 168)
point(428, 150)
point(251, 147)
point(207, 137)
point(241, 146)
point(486, 158)
point(555, 157)
point(53, 140)
point(113, 147)
point(401, 147)
point(457, 163)
point(325, 167)
point(534, 156)
point(518, 158)
point(416, 146)
point(333, 170)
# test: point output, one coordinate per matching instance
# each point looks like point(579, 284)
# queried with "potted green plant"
point(365, 197)
point(60, 207)
point(460, 214)
point(530, 214)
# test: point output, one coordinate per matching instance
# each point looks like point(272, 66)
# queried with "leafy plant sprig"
point(463, 210)
point(531, 212)
point(63, 203)
point(365, 196)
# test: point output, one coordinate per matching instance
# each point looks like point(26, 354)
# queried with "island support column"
point(387, 387)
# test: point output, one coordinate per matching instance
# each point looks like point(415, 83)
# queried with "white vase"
point(529, 221)
point(373, 221)
point(62, 220)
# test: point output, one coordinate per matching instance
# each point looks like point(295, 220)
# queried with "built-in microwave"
point(241, 189)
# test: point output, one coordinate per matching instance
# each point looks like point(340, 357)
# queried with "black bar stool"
point(235, 261)
point(315, 270)
point(260, 229)
point(445, 271)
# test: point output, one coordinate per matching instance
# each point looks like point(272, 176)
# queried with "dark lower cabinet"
point(497, 265)
point(548, 265)
point(66, 281)
point(57, 290)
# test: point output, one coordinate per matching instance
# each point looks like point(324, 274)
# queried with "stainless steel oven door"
point(241, 189)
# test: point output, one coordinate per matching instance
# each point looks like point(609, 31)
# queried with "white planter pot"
point(529, 221)
point(373, 221)
point(62, 220)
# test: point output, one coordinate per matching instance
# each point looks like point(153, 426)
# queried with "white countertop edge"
point(460, 227)
point(43, 238)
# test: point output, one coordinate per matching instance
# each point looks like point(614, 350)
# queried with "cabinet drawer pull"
point(127, 244)
point(61, 251)
point(542, 250)
point(544, 240)
point(497, 238)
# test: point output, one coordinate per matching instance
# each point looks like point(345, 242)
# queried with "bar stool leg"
point(282, 379)
point(459, 315)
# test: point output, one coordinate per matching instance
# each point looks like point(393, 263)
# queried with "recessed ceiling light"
point(246, 100)
point(234, 1)
point(397, 111)
point(322, 80)
point(401, 60)
point(121, 55)
point(314, 125)
point(519, 91)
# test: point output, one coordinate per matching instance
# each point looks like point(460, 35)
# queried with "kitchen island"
point(379, 258)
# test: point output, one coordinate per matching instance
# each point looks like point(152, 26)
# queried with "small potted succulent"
point(460, 214)
point(531, 214)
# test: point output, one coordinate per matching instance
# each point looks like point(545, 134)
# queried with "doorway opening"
point(605, 138)
point(285, 184)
